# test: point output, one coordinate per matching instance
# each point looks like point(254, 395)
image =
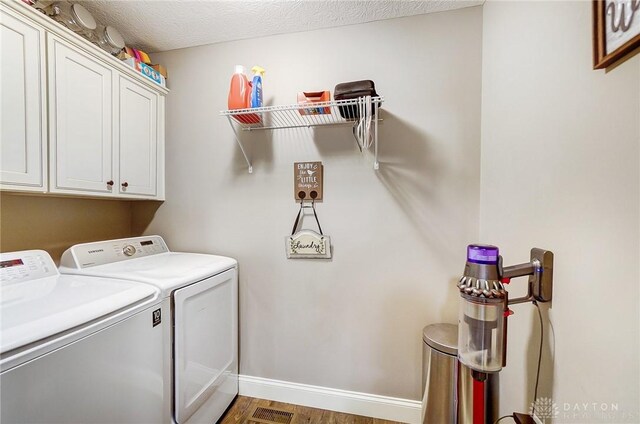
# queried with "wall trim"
point(384, 407)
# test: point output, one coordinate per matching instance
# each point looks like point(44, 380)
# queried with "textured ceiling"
point(159, 25)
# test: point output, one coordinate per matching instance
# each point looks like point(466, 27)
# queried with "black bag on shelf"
point(353, 90)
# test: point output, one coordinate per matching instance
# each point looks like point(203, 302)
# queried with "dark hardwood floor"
point(241, 409)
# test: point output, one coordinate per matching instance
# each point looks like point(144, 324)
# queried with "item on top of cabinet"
point(144, 57)
point(138, 54)
point(42, 5)
point(123, 55)
point(354, 90)
point(75, 17)
point(109, 39)
point(146, 70)
point(240, 96)
point(161, 69)
point(256, 88)
point(309, 97)
point(127, 52)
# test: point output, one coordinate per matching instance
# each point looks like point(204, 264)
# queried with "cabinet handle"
point(125, 184)
point(110, 183)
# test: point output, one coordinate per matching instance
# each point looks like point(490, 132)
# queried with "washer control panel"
point(26, 265)
point(106, 252)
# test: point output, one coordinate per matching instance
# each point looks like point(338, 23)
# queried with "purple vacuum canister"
point(483, 254)
point(481, 319)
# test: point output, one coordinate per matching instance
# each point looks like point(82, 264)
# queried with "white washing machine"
point(201, 293)
point(78, 349)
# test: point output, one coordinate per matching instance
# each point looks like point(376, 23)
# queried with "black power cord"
point(535, 390)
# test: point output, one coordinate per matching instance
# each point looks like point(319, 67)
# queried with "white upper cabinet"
point(137, 139)
point(22, 104)
point(80, 116)
point(105, 121)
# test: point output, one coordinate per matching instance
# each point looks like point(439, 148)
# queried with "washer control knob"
point(129, 250)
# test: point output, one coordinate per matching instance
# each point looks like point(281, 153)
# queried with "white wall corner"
point(383, 407)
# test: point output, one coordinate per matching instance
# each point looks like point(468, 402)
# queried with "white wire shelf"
point(361, 113)
point(336, 112)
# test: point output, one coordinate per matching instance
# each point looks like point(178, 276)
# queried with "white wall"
point(560, 160)
point(399, 234)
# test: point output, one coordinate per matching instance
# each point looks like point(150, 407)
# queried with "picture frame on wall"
point(616, 30)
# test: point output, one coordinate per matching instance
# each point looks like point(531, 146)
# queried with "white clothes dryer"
point(200, 293)
point(77, 349)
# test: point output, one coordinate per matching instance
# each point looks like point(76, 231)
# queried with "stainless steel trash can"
point(447, 385)
point(439, 373)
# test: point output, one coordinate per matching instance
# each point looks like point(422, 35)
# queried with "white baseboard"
point(384, 407)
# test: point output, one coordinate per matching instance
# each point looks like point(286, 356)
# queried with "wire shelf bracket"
point(362, 114)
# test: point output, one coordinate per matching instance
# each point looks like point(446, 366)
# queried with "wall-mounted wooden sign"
point(307, 180)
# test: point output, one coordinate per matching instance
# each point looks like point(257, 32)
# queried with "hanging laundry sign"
point(307, 180)
point(307, 244)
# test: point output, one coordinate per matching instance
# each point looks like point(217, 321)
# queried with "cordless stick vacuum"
point(484, 309)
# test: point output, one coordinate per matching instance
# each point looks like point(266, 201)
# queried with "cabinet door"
point(81, 118)
point(138, 138)
point(22, 108)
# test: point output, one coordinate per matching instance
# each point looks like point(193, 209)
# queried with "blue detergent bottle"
point(256, 89)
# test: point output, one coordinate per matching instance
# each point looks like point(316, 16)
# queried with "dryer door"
point(206, 340)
